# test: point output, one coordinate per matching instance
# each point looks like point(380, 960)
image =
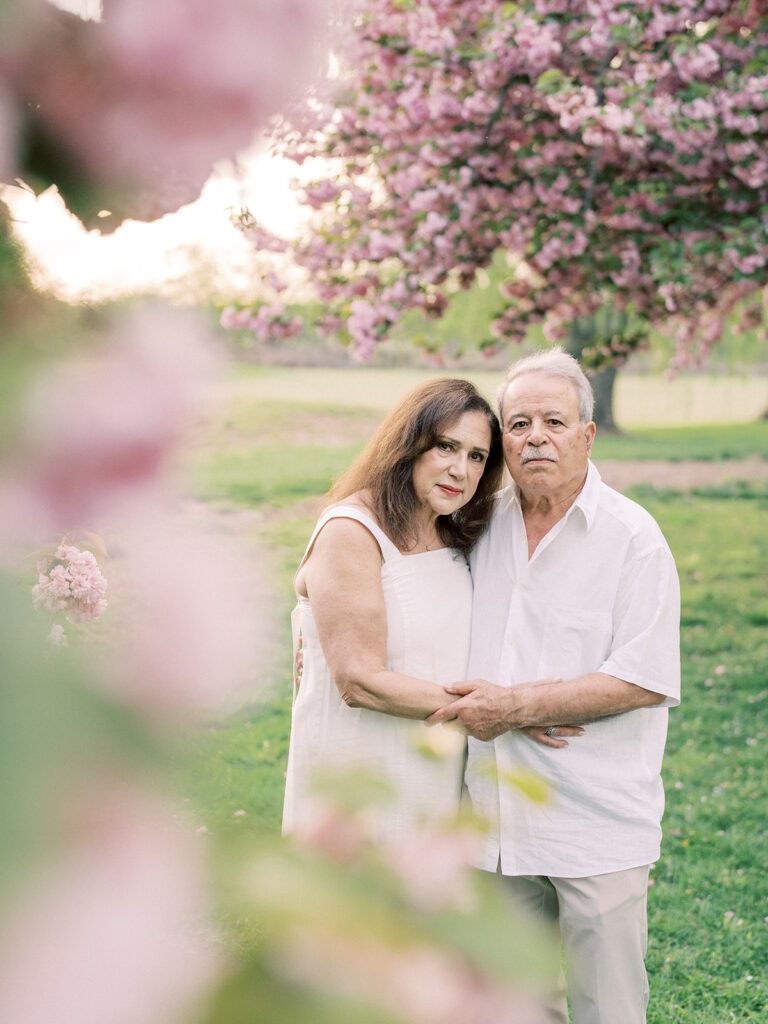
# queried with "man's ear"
point(589, 433)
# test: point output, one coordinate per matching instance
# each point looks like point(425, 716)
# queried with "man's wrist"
point(513, 708)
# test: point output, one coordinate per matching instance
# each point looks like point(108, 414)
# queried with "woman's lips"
point(452, 492)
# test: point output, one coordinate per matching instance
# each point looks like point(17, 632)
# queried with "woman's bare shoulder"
point(358, 499)
point(344, 530)
point(343, 545)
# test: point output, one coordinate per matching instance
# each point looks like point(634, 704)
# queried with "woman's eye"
point(478, 456)
point(445, 446)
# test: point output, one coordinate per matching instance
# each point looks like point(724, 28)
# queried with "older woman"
point(385, 600)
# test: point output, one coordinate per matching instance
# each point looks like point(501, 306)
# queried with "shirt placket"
point(513, 816)
point(525, 570)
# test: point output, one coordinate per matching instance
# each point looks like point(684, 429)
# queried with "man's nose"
point(536, 433)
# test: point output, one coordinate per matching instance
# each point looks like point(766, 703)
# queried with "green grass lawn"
point(710, 443)
point(709, 901)
point(709, 898)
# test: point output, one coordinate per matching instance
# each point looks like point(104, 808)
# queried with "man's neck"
point(543, 511)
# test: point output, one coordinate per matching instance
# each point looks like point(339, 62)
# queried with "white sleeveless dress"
point(428, 599)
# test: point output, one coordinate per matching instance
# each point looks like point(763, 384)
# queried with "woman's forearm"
point(391, 693)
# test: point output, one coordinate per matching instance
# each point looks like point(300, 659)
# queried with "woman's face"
point(446, 476)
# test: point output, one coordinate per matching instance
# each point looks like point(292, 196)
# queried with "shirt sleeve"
point(646, 626)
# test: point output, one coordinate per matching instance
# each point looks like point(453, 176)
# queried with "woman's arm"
point(342, 578)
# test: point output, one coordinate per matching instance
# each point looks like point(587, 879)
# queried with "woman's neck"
point(426, 535)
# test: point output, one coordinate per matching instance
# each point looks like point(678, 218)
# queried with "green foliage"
point(553, 80)
point(11, 260)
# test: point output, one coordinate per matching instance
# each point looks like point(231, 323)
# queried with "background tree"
point(617, 151)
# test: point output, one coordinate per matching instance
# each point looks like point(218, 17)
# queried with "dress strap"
point(388, 549)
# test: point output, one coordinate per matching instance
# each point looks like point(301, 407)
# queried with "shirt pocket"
point(574, 642)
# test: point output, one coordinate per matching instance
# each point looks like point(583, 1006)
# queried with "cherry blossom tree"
point(615, 151)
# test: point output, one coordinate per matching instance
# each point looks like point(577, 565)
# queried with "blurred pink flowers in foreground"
point(424, 881)
point(433, 866)
point(98, 430)
point(413, 984)
point(71, 581)
point(195, 626)
point(97, 438)
point(156, 93)
point(116, 930)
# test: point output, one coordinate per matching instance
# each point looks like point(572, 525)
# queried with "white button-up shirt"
point(600, 594)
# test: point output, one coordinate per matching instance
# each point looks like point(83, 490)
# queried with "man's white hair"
point(555, 363)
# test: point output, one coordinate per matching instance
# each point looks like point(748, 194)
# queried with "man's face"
point(546, 447)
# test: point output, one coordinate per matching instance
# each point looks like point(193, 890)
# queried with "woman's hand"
point(553, 735)
point(298, 663)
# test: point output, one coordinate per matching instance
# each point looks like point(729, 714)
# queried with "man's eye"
point(518, 425)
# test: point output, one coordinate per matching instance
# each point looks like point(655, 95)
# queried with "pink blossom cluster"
point(268, 322)
point(71, 582)
point(617, 149)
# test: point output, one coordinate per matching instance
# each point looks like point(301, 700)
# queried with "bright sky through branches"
point(197, 241)
point(89, 10)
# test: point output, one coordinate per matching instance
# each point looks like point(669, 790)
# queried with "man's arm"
point(486, 710)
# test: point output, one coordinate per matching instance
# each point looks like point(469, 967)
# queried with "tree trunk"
point(602, 386)
point(583, 333)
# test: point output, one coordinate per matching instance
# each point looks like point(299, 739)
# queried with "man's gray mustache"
point(534, 456)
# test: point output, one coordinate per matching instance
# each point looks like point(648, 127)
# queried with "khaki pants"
point(603, 928)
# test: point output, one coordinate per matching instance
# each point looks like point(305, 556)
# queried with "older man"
point(576, 620)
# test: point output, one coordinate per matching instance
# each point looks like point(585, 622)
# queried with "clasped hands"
point(485, 711)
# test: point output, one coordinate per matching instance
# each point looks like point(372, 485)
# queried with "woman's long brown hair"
point(385, 467)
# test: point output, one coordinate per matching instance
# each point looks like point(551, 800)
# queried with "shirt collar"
point(586, 500)
point(589, 495)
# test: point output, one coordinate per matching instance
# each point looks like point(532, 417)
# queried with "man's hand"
point(486, 710)
point(552, 736)
point(481, 708)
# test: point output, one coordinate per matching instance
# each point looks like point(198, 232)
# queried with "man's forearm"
point(487, 710)
point(575, 701)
